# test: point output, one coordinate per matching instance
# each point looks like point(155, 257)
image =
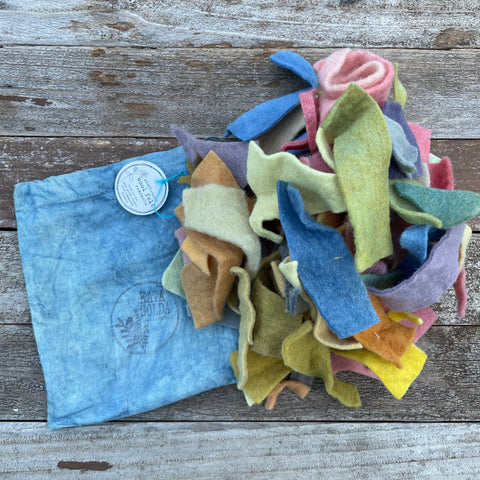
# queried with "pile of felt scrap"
point(318, 230)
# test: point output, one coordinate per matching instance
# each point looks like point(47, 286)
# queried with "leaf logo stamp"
point(145, 318)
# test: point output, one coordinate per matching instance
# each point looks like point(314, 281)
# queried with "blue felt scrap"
point(263, 117)
point(404, 154)
point(325, 266)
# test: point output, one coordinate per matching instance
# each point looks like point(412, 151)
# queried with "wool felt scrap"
point(394, 111)
point(451, 207)
point(466, 237)
point(299, 388)
point(321, 191)
point(382, 281)
point(326, 337)
point(212, 169)
point(233, 154)
point(441, 174)
point(404, 154)
point(408, 211)
point(323, 146)
point(399, 91)
point(247, 322)
point(207, 294)
point(340, 364)
point(370, 72)
point(264, 373)
point(272, 323)
point(171, 276)
point(387, 339)
point(325, 267)
point(196, 255)
point(278, 278)
point(416, 239)
point(361, 165)
point(419, 291)
point(422, 136)
point(399, 316)
point(222, 212)
point(461, 293)
point(424, 178)
point(396, 380)
point(293, 301)
point(304, 354)
point(263, 117)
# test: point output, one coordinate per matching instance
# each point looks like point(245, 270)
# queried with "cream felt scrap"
point(320, 191)
point(222, 212)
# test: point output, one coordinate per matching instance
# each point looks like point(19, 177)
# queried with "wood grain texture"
point(242, 23)
point(82, 91)
point(239, 451)
point(447, 389)
point(25, 159)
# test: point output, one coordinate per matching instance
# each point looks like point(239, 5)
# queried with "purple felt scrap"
point(233, 154)
point(431, 280)
point(394, 111)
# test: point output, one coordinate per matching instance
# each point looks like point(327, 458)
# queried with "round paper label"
point(137, 189)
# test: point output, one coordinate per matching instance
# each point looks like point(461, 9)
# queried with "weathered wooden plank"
point(82, 91)
point(447, 389)
point(242, 450)
point(242, 23)
point(35, 158)
point(14, 306)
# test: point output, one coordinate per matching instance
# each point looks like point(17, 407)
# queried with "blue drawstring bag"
point(112, 341)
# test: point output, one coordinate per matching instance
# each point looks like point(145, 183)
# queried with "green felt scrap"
point(320, 191)
point(222, 212)
point(409, 211)
point(247, 322)
point(466, 237)
point(323, 146)
point(273, 324)
point(171, 280)
point(362, 150)
point(451, 207)
point(399, 92)
point(304, 354)
point(264, 373)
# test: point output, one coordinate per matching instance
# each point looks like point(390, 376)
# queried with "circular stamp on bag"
point(137, 190)
point(145, 318)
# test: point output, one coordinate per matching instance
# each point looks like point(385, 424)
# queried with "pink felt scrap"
point(316, 162)
point(441, 174)
point(369, 71)
point(422, 136)
point(340, 364)
point(461, 293)
point(379, 268)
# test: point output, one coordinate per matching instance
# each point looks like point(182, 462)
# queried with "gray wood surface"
point(260, 451)
point(120, 91)
point(86, 83)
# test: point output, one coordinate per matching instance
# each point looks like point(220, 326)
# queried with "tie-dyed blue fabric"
point(112, 341)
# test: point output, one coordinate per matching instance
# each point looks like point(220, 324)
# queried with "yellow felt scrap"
point(362, 150)
point(263, 374)
point(326, 337)
point(399, 92)
point(396, 380)
point(278, 278)
point(273, 324)
point(247, 322)
point(222, 212)
point(304, 354)
point(399, 316)
point(320, 191)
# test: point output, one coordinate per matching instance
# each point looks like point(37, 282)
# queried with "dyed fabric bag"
point(112, 341)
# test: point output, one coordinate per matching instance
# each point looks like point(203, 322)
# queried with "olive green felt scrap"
point(273, 324)
point(264, 373)
point(222, 212)
point(247, 321)
point(320, 191)
point(409, 211)
point(362, 149)
point(278, 278)
point(399, 92)
point(451, 207)
point(304, 354)
point(396, 380)
point(171, 276)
